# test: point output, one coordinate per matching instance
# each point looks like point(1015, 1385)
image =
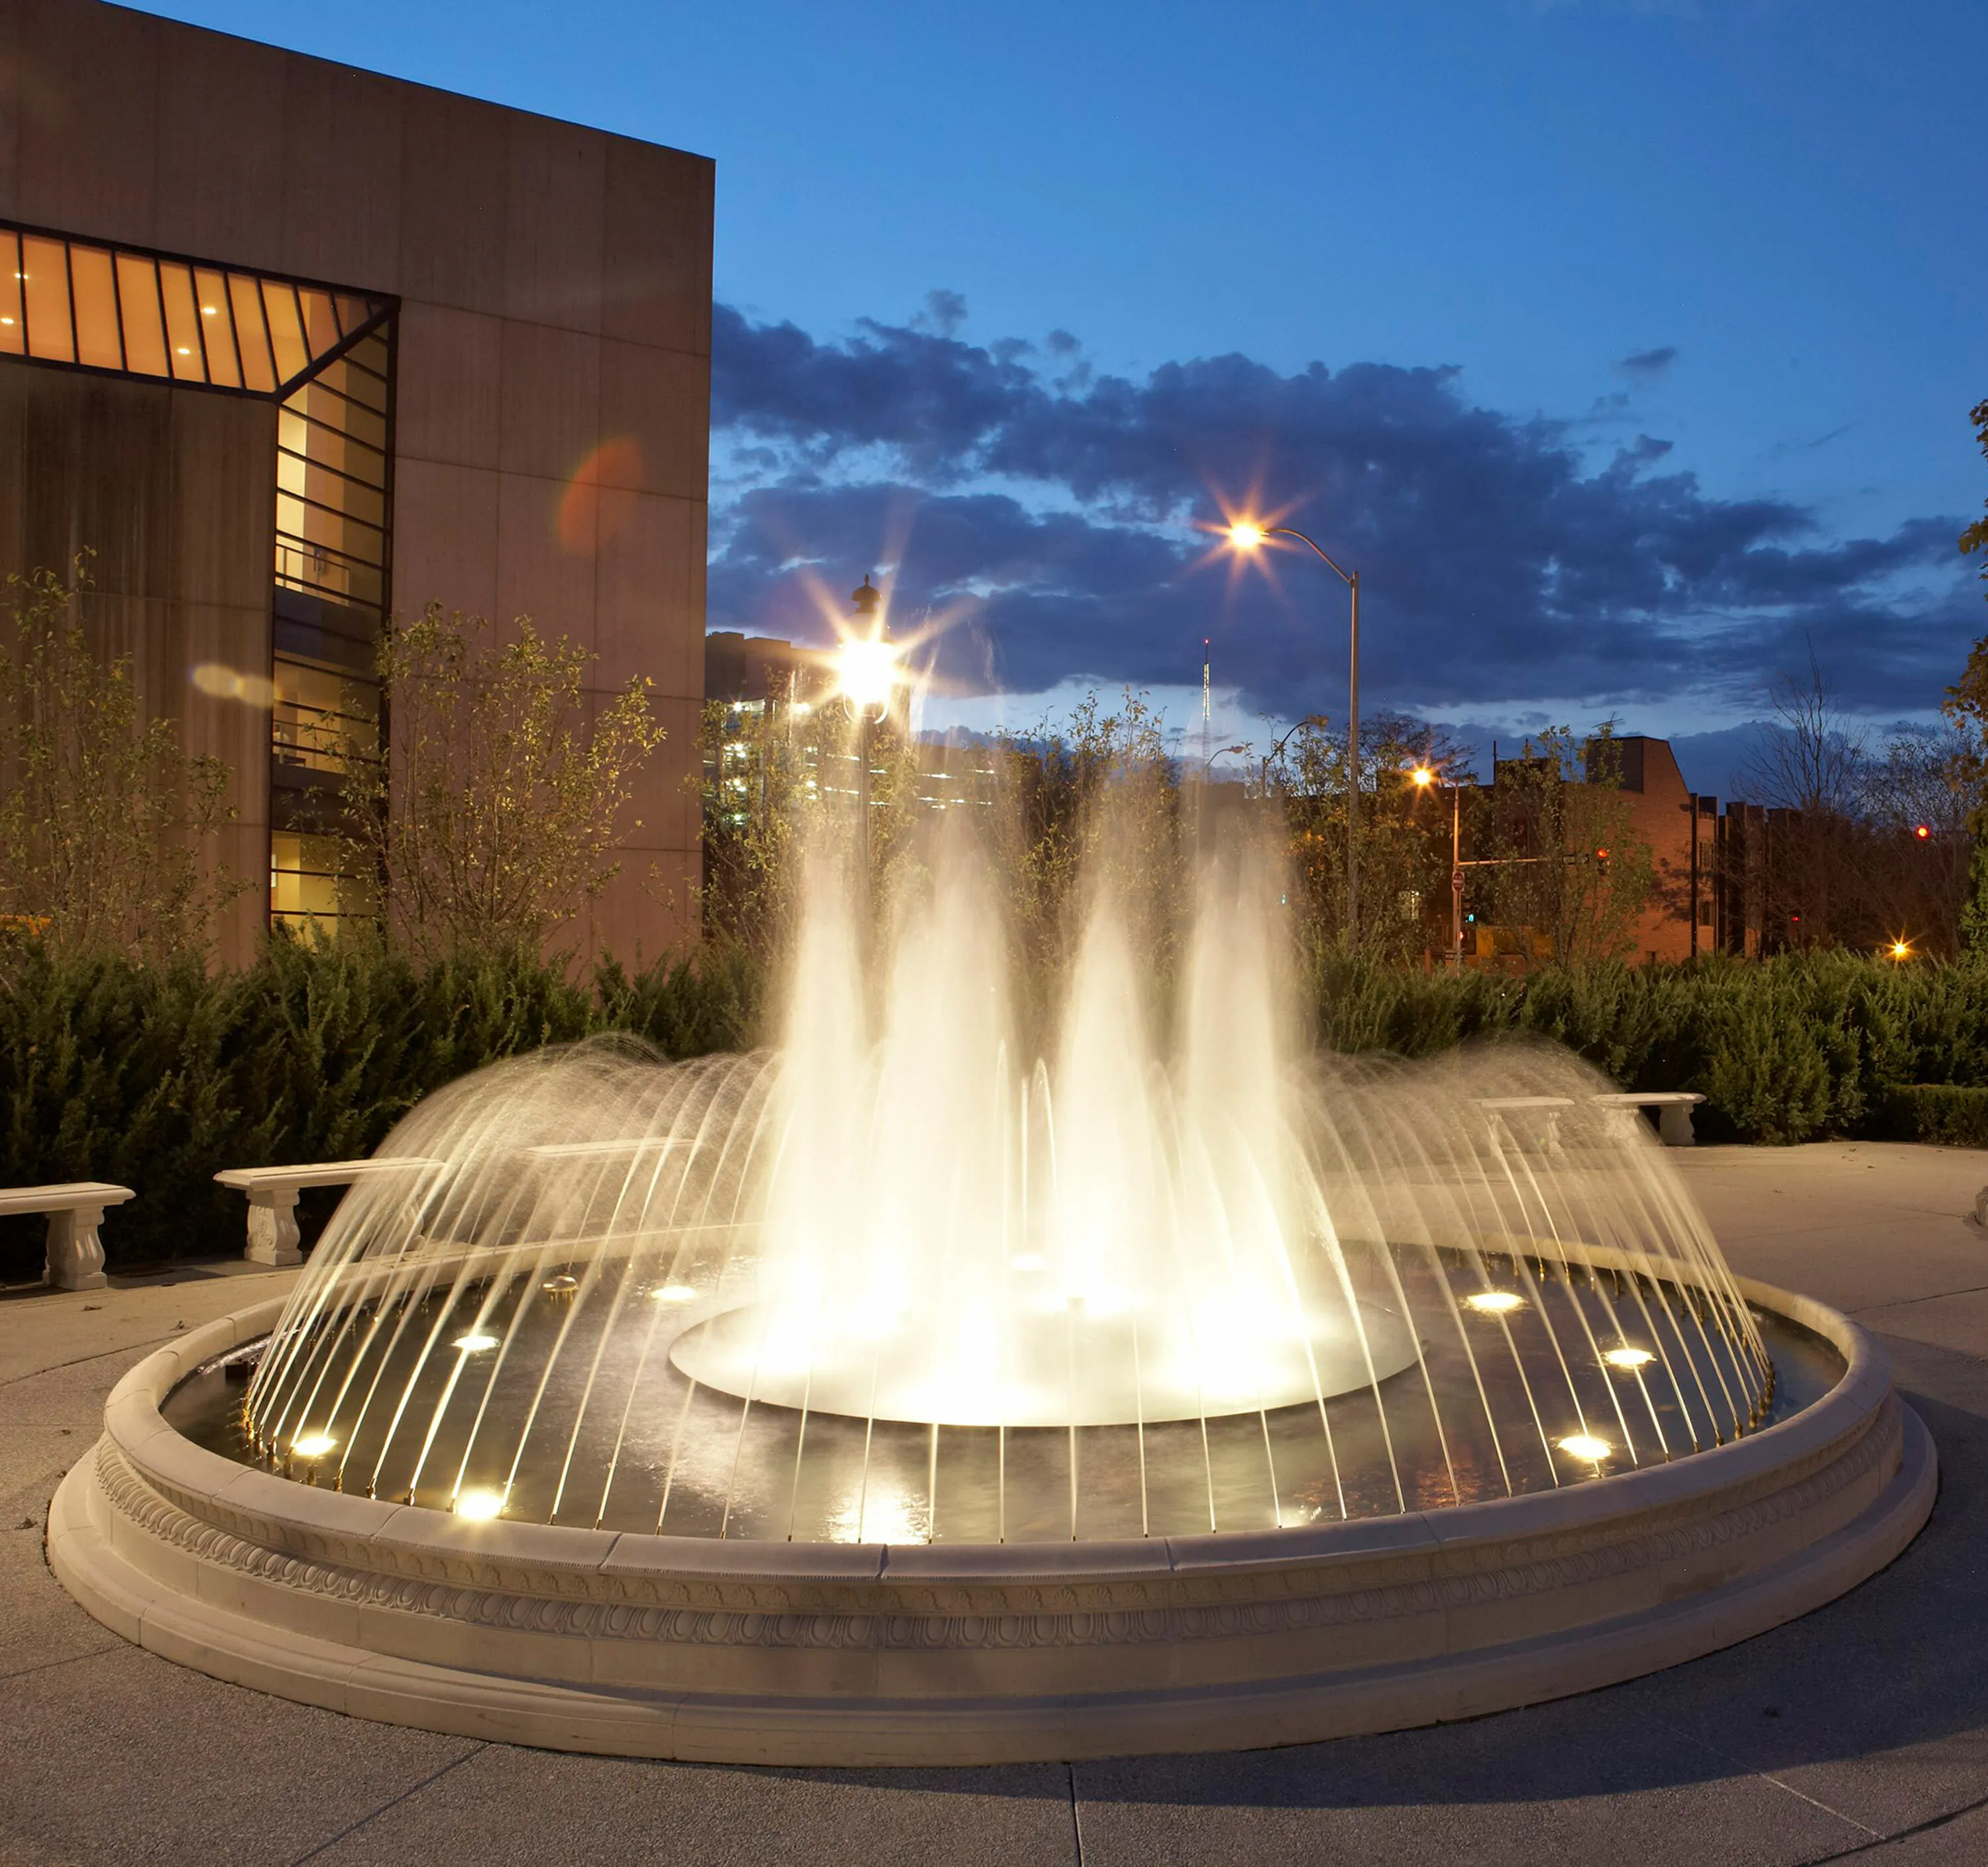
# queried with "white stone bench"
point(1673, 1107)
point(273, 1237)
point(1540, 1117)
point(75, 1256)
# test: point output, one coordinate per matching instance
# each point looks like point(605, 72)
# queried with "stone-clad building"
point(290, 346)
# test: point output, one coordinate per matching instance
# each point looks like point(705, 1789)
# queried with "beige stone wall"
point(170, 490)
point(553, 411)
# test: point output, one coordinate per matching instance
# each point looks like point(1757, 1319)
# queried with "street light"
point(1247, 536)
point(867, 673)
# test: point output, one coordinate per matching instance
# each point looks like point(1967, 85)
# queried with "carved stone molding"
point(677, 1646)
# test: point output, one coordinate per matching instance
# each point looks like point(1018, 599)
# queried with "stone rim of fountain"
point(843, 1653)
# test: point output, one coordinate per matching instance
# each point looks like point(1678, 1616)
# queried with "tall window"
point(326, 356)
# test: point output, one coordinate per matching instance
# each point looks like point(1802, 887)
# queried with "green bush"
point(156, 1077)
point(1952, 1115)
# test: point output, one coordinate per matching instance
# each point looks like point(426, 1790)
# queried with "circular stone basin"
point(1085, 1370)
point(883, 1652)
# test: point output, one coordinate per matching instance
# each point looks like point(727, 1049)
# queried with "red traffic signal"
point(1923, 832)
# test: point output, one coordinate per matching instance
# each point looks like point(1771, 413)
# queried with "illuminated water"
point(905, 1279)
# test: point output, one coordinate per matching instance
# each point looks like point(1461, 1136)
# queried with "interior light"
point(475, 1342)
point(479, 1506)
point(313, 1445)
point(1496, 1302)
point(1627, 1357)
point(1586, 1445)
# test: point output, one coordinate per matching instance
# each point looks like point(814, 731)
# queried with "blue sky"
point(1648, 332)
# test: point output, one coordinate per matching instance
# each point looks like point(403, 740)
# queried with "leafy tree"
point(1966, 706)
point(103, 812)
point(1570, 865)
point(1404, 830)
point(493, 812)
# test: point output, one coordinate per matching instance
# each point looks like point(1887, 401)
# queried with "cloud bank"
point(1050, 508)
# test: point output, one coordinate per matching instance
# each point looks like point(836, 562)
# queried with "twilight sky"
point(1625, 347)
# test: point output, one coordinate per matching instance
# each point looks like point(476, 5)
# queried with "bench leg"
point(273, 1229)
point(1673, 1125)
point(75, 1260)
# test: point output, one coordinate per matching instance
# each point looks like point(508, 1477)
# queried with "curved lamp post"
point(1249, 537)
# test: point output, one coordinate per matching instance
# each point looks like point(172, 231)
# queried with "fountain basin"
point(817, 1653)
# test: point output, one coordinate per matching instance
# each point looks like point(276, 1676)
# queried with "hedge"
point(156, 1078)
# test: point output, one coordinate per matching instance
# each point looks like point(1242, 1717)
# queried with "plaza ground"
point(1860, 1730)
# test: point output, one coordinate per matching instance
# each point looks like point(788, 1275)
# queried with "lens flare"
point(867, 671)
point(1586, 1445)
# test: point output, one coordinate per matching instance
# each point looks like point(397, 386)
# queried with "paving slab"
point(1860, 1732)
point(539, 1810)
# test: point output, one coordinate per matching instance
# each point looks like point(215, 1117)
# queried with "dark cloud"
point(1649, 364)
point(1498, 566)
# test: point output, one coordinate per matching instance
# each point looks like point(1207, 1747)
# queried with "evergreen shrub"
point(158, 1076)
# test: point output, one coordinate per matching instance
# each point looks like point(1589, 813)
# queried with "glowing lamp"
point(1495, 1302)
point(1627, 1357)
point(1586, 1445)
point(1246, 536)
point(474, 1343)
point(1900, 950)
point(479, 1506)
point(674, 1293)
point(1923, 832)
point(313, 1445)
point(1421, 776)
point(866, 670)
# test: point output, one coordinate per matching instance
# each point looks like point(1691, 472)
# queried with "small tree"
point(1404, 831)
point(491, 813)
point(1569, 864)
point(102, 812)
point(1966, 706)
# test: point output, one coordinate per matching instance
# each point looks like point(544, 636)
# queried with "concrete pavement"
point(1860, 1731)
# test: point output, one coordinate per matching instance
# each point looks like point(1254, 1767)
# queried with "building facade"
point(288, 347)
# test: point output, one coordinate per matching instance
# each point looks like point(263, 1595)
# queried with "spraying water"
point(911, 1276)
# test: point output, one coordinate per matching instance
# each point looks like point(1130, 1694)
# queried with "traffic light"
point(1601, 860)
point(1923, 832)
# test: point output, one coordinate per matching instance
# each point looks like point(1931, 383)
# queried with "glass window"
point(287, 330)
point(13, 338)
point(45, 286)
point(217, 328)
point(251, 335)
point(321, 331)
point(94, 280)
point(324, 718)
point(106, 308)
point(144, 324)
point(184, 337)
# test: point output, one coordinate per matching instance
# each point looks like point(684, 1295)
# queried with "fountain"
point(906, 1395)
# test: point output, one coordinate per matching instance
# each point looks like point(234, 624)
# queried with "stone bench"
point(1519, 1116)
point(273, 1237)
point(1673, 1107)
point(75, 1255)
